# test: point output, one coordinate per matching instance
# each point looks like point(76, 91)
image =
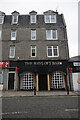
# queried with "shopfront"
point(75, 74)
point(45, 75)
point(3, 66)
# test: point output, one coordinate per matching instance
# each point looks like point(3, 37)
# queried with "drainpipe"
point(67, 80)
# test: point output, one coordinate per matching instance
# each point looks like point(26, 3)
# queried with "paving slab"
point(42, 93)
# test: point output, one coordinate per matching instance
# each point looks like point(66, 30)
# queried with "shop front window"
point(1, 76)
point(57, 81)
point(27, 81)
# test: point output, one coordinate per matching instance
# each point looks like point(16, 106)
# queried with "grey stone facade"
point(23, 40)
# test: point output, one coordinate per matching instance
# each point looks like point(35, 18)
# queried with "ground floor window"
point(27, 81)
point(57, 81)
point(1, 76)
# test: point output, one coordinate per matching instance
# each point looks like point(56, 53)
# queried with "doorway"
point(11, 81)
point(43, 82)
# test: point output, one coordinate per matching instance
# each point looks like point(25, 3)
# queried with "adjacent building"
point(34, 51)
point(74, 65)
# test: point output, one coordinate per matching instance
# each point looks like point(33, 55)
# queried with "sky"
point(67, 7)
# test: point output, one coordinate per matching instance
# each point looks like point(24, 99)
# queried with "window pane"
point(33, 51)
point(33, 18)
point(47, 17)
point(55, 51)
point(33, 34)
point(52, 18)
point(14, 19)
point(48, 32)
point(54, 34)
point(49, 52)
point(33, 47)
point(13, 35)
point(12, 51)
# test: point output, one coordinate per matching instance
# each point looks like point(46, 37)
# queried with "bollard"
point(34, 90)
point(68, 91)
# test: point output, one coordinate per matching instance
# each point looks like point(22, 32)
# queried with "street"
point(41, 107)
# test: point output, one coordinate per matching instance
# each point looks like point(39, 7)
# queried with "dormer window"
point(33, 18)
point(15, 16)
point(1, 19)
point(14, 19)
point(50, 18)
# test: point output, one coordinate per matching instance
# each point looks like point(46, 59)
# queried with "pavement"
point(39, 93)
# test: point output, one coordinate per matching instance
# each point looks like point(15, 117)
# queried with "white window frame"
point(32, 34)
point(2, 19)
point(31, 19)
point(35, 51)
point(52, 35)
point(13, 19)
point(13, 38)
point(57, 83)
point(10, 52)
point(50, 19)
point(27, 81)
point(53, 52)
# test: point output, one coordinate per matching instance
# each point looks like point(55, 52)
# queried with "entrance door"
point(11, 81)
point(42, 82)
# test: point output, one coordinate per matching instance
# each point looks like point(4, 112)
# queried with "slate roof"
point(24, 20)
point(74, 59)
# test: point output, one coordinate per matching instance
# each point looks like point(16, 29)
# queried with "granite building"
point(34, 51)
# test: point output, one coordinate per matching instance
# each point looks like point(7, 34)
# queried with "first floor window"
point(33, 34)
point(52, 51)
point(1, 76)
point(13, 35)
point(33, 51)
point(12, 52)
point(51, 34)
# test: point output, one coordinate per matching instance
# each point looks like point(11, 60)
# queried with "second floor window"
point(51, 34)
point(33, 34)
point(12, 52)
point(33, 18)
point(13, 35)
point(50, 18)
point(14, 19)
point(33, 51)
point(52, 51)
point(1, 19)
